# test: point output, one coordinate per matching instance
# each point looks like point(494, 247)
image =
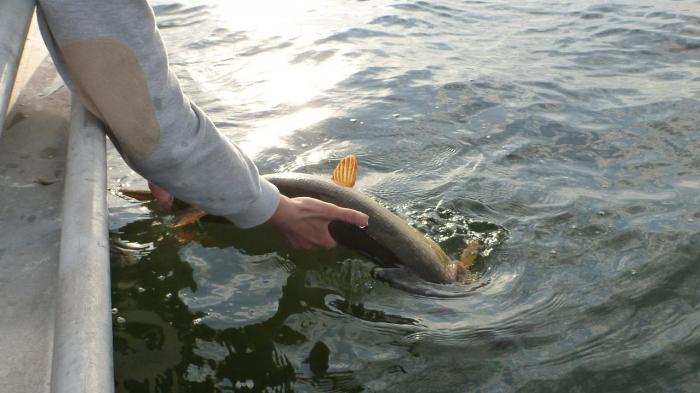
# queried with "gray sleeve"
point(112, 57)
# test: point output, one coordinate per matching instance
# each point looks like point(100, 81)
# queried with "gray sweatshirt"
point(111, 55)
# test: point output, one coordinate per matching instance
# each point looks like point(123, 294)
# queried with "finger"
point(299, 243)
point(327, 241)
point(305, 246)
point(350, 216)
point(333, 212)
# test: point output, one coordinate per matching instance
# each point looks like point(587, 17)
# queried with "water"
point(562, 134)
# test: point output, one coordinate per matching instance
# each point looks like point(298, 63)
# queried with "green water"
point(565, 136)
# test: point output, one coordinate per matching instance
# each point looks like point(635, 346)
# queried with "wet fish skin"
point(388, 238)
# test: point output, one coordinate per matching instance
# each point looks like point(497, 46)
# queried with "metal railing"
point(82, 358)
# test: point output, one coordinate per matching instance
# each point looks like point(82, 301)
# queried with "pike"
point(387, 238)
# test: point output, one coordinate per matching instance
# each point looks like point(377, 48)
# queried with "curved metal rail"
point(82, 357)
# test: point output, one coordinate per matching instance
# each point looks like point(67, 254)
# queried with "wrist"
point(281, 214)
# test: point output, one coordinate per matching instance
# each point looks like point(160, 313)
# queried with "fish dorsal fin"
point(469, 255)
point(345, 173)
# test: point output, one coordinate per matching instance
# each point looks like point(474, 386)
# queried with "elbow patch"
point(110, 82)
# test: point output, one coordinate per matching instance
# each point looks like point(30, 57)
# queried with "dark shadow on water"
point(161, 345)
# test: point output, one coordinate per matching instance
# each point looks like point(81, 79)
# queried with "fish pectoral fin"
point(469, 255)
point(139, 195)
point(189, 216)
point(345, 173)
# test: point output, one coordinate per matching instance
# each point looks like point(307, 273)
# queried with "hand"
point(164, 198)
point(304, 221)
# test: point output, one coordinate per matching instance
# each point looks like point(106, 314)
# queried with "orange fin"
point(345, 173)
point(189, 216)
point(139, 195)
point(469, 255)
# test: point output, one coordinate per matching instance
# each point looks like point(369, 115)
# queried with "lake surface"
point(565, 136)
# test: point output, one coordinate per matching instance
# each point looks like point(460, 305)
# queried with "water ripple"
point(563, 136)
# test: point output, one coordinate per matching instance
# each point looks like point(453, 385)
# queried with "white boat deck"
point(32, 160)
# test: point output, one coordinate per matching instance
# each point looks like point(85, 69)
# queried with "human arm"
point(112, 57)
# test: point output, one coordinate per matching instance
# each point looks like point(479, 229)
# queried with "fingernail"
point(365, 225)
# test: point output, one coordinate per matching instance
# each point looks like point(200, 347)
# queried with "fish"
point(388, 239)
